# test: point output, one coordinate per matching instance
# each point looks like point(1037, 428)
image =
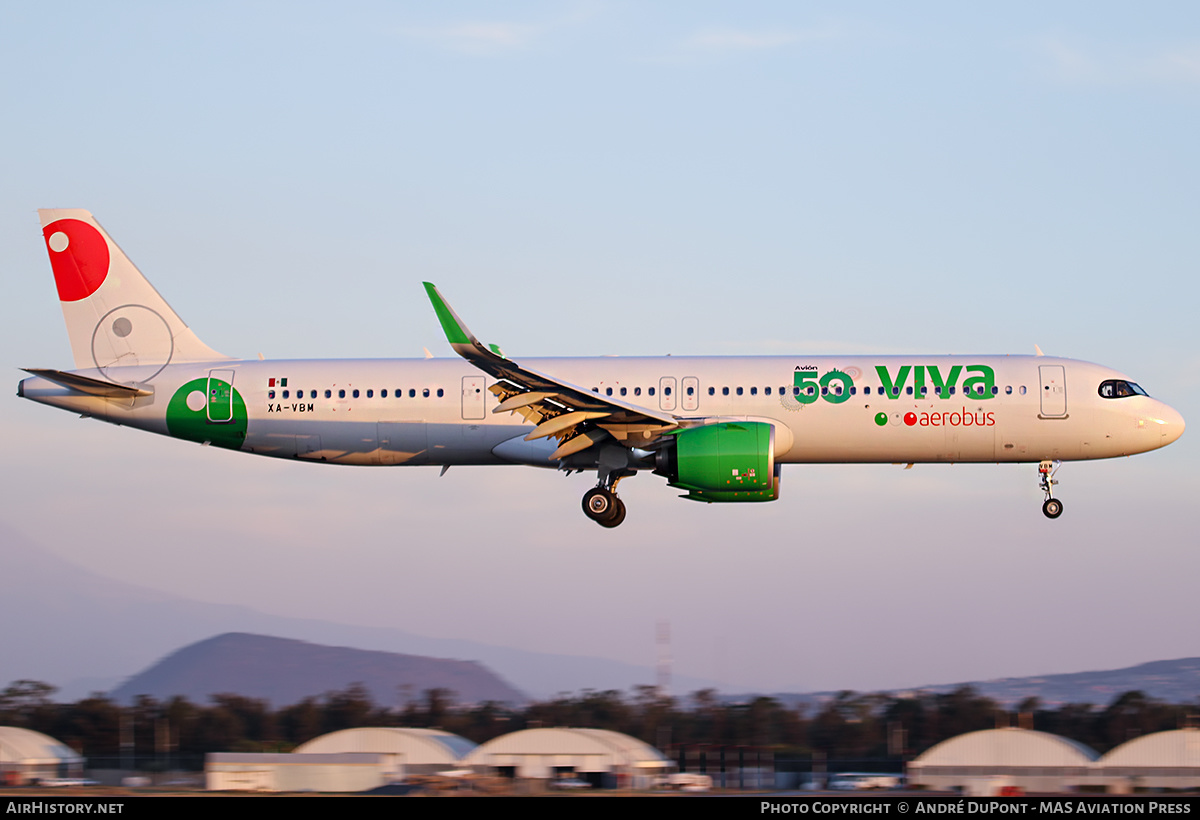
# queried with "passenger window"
point(650, 391)
point(441, 393)
point(753, 391)
point(328, 394)
point(341, 394)
point(666, 391)
point(637, 391)
point(908, 391)
point(425, 393)
point(712, 391)
point(608, 391)
point(286, 393)
point(355, 393)
point(383, 393)
point(1022, 390)
point(767, 390)
point(739, 391)
point(691, 391)
point(270, 394)
point(1008, 390)
point(724, 391)
point(624, 390)
point(370, 394)
point(412, 392)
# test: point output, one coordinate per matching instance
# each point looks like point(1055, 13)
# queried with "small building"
point(598, 757)
point(233, 771)
point(1020, 759)
point(27, 756)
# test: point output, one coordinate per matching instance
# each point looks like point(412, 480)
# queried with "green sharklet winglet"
point(456, 332)
point(566, 411)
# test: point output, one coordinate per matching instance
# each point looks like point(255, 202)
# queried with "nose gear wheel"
point(1051, 507)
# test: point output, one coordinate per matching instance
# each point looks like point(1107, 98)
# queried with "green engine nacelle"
point(731, 461)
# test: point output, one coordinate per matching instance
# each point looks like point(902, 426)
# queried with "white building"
point(404, 751)
point(1163, 760)
point(26, 756)
point(598, 756)
point(1020, 758)
point(352, 760)
point(234, 771)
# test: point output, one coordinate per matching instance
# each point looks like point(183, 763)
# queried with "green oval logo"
point(208, 409)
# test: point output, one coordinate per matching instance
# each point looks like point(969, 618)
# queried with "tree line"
point(847, 726)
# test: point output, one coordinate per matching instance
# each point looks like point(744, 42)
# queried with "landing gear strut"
point(1052, 507)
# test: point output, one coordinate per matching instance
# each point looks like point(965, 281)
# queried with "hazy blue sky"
point(618, 177)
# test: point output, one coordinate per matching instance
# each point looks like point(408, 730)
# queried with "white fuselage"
point(871, 409)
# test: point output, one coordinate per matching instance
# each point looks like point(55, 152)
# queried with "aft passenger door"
point(220, 396)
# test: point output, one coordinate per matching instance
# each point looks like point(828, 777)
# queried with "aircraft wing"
point(576, 416)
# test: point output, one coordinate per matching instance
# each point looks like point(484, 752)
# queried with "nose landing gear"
point(1051, 507)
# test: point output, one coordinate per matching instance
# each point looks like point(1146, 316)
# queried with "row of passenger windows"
point(413, 392)
point(427, 392)
point(809, 391)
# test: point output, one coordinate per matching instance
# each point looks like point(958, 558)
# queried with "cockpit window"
point(1120, 389)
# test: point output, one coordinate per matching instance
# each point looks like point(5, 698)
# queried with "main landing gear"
point(601, 503)
point(603, 507)
point(1052, 507)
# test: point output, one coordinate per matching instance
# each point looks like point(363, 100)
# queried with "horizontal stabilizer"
point(90, 386)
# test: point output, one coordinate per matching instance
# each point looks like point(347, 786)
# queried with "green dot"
point(881, 419)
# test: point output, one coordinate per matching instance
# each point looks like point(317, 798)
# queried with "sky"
point(601, 178)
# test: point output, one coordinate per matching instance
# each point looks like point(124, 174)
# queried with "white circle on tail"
point(196, 400)
point(59, 241)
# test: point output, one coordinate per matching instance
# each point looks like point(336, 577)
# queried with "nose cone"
point(1171, 425)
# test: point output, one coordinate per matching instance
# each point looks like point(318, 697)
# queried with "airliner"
point(717, 428)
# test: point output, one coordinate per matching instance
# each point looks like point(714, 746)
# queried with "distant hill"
point(92, 632)
point(1175, 681)
point(284, 671)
